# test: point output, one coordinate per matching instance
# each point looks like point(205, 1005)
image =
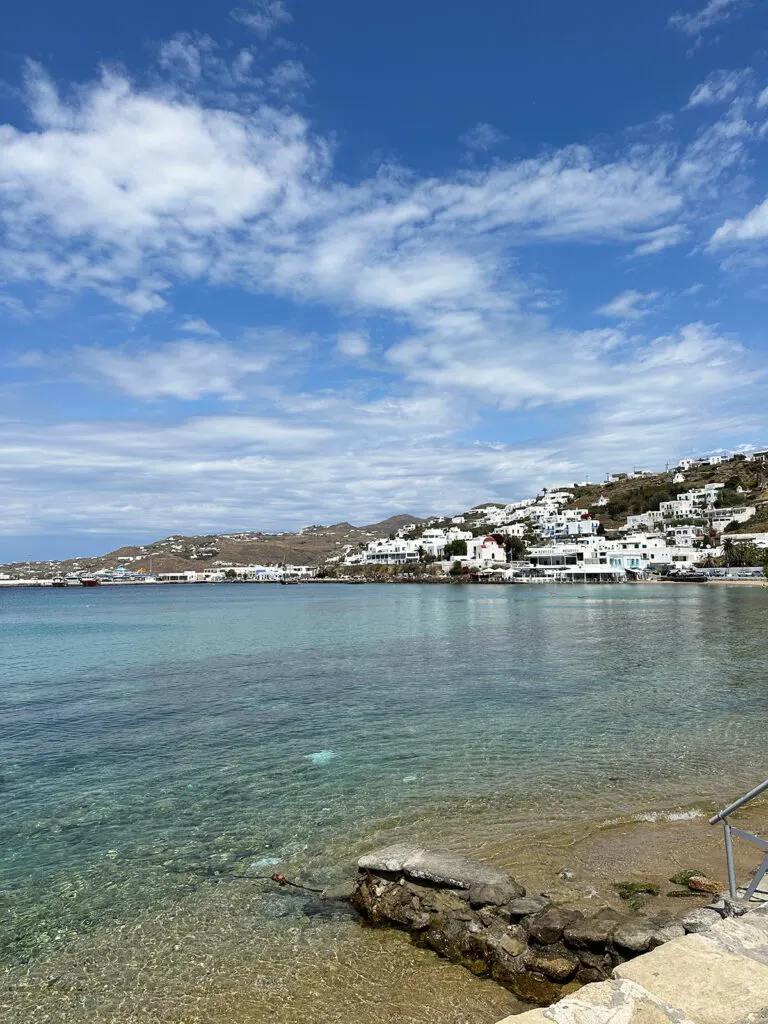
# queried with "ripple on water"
point(156, 740)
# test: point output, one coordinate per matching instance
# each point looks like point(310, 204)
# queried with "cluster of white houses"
point(567, 542)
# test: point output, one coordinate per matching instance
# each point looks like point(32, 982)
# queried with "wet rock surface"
point(479, 916)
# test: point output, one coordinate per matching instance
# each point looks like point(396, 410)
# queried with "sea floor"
point(247, 952)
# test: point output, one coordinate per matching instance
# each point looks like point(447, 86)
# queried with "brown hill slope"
point(309, 546)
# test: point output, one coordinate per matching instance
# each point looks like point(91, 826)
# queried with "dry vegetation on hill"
point(632, 497)
point(311, 546)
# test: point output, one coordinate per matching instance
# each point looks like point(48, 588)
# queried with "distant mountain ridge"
point(311, 545)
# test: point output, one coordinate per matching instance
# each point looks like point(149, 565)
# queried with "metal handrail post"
point(729, 859)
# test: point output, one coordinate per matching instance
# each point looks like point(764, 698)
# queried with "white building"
point(760, 540)
point(684, 535)
point(560, 527)
point(388, 552)
point(681, 508)
point(513, 530)
point(485, 549)
point(646, 520)
point(721, 517)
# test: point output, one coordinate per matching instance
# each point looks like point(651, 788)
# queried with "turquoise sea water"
point(153, 736)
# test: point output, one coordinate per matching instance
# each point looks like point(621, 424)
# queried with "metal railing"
point(729, 832)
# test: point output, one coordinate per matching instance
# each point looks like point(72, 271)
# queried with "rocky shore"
point(480, 916)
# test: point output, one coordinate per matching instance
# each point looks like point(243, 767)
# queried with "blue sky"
point(294, 262)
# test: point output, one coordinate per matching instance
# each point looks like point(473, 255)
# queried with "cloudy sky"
point(298, 262)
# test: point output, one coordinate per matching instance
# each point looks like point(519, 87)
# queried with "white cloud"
point(125, 191)
point(198, 325)
point(263, 16)
point(719, 150)
point(482, 137)
point(662, 238)
point(751, 228)
point(186, 370)
point(289, 78)
point(353, 344)
point(15, 307)
point(719, 87)
point(132, 193)
point(327, 456)
point(182, 55)
point(629, 305)
point(714, 12)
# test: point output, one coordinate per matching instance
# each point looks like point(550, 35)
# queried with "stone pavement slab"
point(608, 1002)
point(710, 984)
point(743, 936)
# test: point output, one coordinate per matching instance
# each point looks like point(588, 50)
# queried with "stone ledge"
point(717, 978)
point(609, 1002)
point(478, 916)
point(702, 979)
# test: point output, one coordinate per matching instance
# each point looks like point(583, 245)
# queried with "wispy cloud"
point(198, 326)
point(263, 16)
point(719, 87)
point(186, 370)
point(629, 305)
point(482, 137)
point(14, 307)
point(714, 12)
point(353, 344)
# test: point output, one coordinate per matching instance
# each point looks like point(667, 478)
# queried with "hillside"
point(311, 545)
point(643, 494)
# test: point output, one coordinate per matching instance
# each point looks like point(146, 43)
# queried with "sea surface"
point(164, 748)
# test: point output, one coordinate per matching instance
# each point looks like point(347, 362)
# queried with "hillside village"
point(705, 517)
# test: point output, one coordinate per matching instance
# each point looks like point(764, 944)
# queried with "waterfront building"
point(485, 549)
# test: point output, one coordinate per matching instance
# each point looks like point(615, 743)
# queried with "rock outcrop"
point(479, 916)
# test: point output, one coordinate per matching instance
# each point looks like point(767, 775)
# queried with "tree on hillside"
point(454, 548)
point(515, 549)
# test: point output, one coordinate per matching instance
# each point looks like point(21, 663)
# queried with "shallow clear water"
point(152, 736)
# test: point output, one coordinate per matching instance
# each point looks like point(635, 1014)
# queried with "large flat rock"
point(449, 869)
point(607, 1002)
point(743, 936)
point(707, 982)
point(390, 858)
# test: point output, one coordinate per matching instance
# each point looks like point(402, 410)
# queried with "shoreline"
point(428, 581)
